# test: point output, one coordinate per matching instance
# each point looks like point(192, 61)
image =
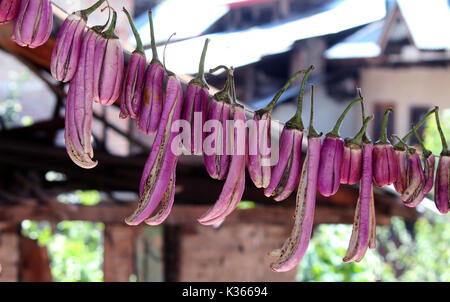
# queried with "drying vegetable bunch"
point(92, 61)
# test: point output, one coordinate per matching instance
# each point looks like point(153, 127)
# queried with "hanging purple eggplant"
point(157, 181)
point(130, 103)
point(363, 232)
point(33, 24)
point(442, 182)
point(259, 141)
point(352, 157)
point(217, 160)
point(400, 154)
point(195, 106)
point(234, 186)
point(427, 174)
point(78, 121)
point(8, 10)
point(294, 248)
point(65, 54)
point(385, 165)
point(331, 157)
point(108, 66)
point(286, 173)
point(153, 93)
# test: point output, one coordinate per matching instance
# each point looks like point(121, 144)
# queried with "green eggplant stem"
point(200, 79)
point(358, 137)
point(401, 145)
point(426, 152)
point(86, 12)
point(335, 131)
point(282, 90)
point(296, 121)
point(224, 94)
point(100, 28)
point(139, 46)
point(445, 151)
point(109, 33)
point(311, 131)
point(164, 56)
point(152, 37)
point(383, 137)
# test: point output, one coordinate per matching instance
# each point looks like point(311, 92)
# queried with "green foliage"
point(75, 247)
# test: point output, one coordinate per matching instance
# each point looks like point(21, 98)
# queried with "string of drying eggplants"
point(91, 59)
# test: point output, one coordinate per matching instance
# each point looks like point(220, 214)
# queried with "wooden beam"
point(180, 215)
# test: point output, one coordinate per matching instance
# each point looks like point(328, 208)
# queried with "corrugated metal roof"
point(248, 46)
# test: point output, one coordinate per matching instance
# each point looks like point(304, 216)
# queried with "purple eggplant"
point(415, 177)
point(427, 175)
point(8, 10)
point(442, 182)
point(109, 64)
point(159, 169)
point(130, 102)
point(294, 248)
point(259, 144)
point(331, 157)
point(385, 164)
point(216, 154)
point(78, 121)
point(33, 24)
point(67, 47)
point(351, 167)
point(286, 173)
point(363, 232)
point(153, 93)
point(400, 149)
point(195, 106)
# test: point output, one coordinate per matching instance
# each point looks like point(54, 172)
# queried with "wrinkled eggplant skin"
point(259, 135)
point(131, 99)
point(351, 164)
point(33, 24)
point(285, 174)
point(160, 165)
point(65, 54)
point(401, 182)
point(8, 10)
point(442, 184)
point(108, 70)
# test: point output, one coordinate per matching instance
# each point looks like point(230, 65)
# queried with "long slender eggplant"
point(216, 155)
point(331, 157)
point(286, 173)
point(385, 165)
point(8, 10)
point(130, 103)
point(65, 54)
point(153, 93)
point(259, 140)
point(363, 232)
point(109, 64)
point(78, 122)
point(351, 167)
point(364, 224)
point(234, 186)
point(159, 170)
point(400, 154)
point(442, 182)
point(33, 24)
point(294, 248)
point(195, 106)
point(427, 175)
